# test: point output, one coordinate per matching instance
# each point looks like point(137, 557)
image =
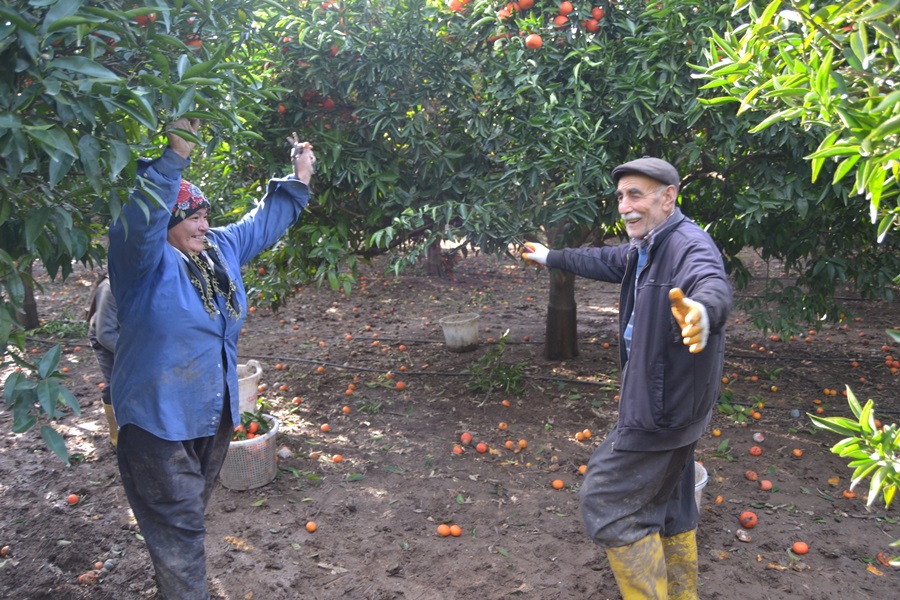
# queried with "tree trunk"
point(561, 339)
point(433, 267)
point(29, 318)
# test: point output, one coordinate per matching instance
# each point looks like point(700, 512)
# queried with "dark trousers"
point(168, 485)
point(627, 496)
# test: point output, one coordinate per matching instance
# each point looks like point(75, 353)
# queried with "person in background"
point(103, 333)
point(182, 303)
point(637, 500)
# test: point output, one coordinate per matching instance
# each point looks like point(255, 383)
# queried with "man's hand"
point(692, 319)
point(177, 143)
point(536, 253)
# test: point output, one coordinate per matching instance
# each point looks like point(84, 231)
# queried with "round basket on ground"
point(250, 464)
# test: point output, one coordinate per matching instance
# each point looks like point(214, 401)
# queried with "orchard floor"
point(378, 510)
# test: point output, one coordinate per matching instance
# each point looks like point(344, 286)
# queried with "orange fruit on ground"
point(503, 426)
point(311, 526)
point(534, 41)
point(510, 444)
point(579, 436)
point(481, 448)
point(748, 519)
point(558, 484)
point(443, 530)
point(505, 403)
point(849, 494)
point(797, 452)
point(320, 370)
point(337, 458)
point(457, 450)
point(523, 444)
point(755, 451)
point(716, 432)
point(346, 409)
point(466, 438)
point(455, 530)
point(401, 386)
point(587, 434)
point(73, 499)
point(765, 485)
point(719, 499)
point(297, 400)
point(582, 469)
point(325, 427)
point(751, 475)
point(800, 548)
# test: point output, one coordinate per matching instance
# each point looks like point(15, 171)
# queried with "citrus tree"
point(831, 69)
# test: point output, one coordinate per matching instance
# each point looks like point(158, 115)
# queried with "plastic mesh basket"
point(252, 463)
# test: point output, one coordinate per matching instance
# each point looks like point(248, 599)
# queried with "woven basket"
point(252, 463)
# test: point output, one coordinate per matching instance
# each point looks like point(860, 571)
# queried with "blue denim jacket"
point(174, 360)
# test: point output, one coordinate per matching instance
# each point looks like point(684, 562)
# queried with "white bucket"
point(461, 331)
point(248, 385)
point(700, 479)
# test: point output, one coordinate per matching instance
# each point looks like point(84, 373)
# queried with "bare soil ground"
point(378, 510)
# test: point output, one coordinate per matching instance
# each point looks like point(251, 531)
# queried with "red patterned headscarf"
point(190, 200)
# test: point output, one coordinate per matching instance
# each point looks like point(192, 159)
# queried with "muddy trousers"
point(168, 485)
point(640, 507)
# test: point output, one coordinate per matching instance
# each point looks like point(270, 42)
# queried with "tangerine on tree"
point(533, 41)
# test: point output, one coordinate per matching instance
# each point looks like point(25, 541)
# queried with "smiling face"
point(644, 203)
point(189, 235)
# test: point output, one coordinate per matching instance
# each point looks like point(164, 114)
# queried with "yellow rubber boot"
point(113, 425)
point(681, 565)
point(640, 569)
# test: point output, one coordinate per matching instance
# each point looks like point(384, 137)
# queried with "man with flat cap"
point(637, 500)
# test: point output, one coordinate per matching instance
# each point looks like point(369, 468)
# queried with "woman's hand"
point(177, 143)
point(303, 159)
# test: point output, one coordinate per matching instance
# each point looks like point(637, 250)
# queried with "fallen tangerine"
point(800, 548)
point(748, 519)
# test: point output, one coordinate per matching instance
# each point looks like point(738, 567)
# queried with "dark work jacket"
point(667, 393)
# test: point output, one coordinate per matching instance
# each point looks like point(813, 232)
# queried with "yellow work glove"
point(692, 318)
point(536, 253)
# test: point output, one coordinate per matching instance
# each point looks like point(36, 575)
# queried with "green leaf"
point(60, 10)
point(120, 157)
point(85, 66)
point(34, 225)
point(49, 362)
point(56, 443)
point(70, 400)
point(45, 398)
point(16, 19)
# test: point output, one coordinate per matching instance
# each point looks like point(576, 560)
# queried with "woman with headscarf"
point(181, 306)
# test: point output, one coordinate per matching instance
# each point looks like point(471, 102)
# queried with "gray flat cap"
point(655, 168)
